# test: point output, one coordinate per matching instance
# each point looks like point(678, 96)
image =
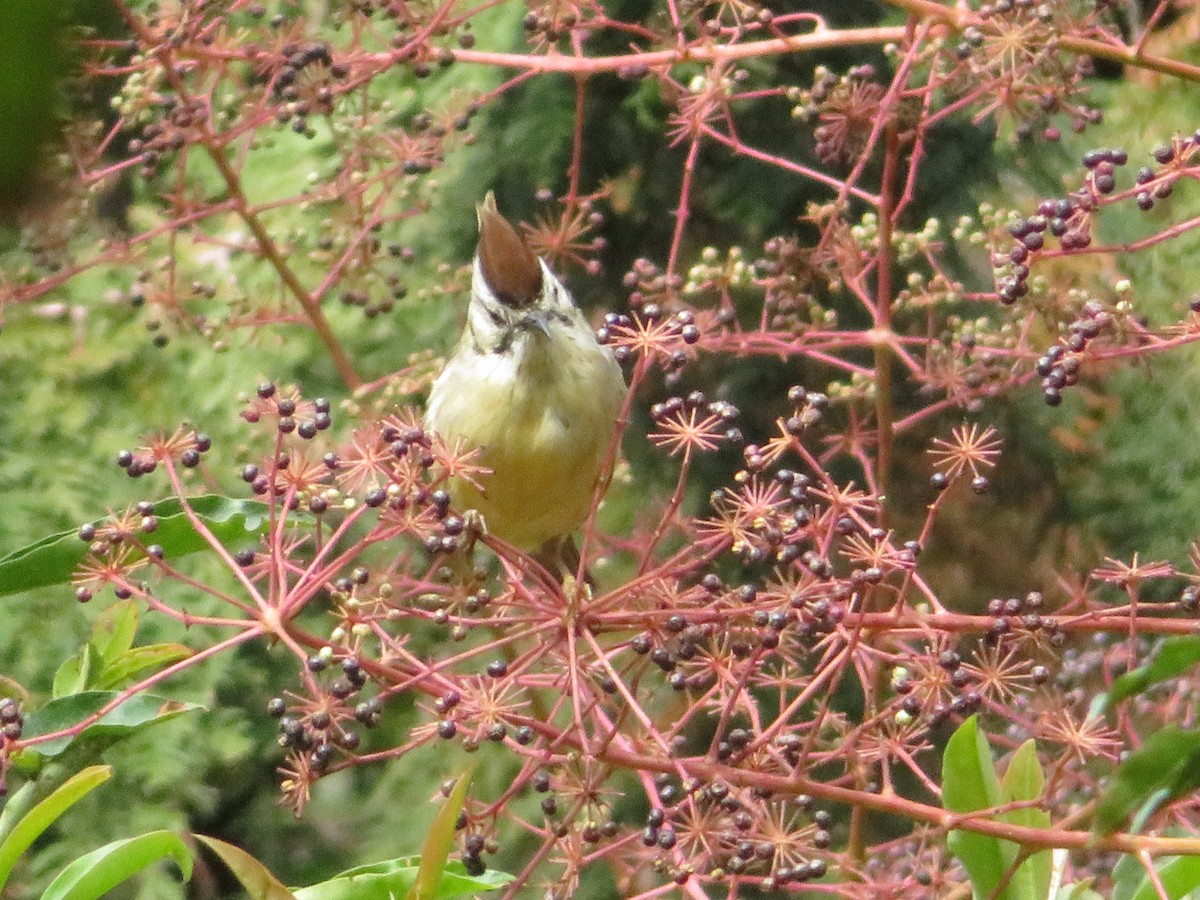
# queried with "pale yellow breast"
point(542, 419)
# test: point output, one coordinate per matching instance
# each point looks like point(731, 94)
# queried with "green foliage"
point(439, 841)
point(256, 878)
point(131, 716)
point(1179, 875)
point(95, 874)
point(16, 835)
point(395, 878)
point(970, 784)
point(31, 71)
point(1024, 782)
point(1165, 768)
point(1080, 890)
point(1171, 658)
point(54, 559)
point(385, 880)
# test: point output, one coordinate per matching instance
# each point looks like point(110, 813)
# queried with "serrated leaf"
point(131, 662)
point(1172, 658)
point(94, 874)
point(53, 560)
point(396, 878)
point(256, 878)
point(135, 714)
point(1165, 767)
point(439, 840)
point(114, 629)
point(42, 816)
point(968, 784)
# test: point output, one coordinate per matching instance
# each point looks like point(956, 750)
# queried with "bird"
point(531, 389)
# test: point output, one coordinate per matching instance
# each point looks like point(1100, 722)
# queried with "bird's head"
point(513, 292)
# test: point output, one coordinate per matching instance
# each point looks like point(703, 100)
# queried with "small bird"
point(530, 387)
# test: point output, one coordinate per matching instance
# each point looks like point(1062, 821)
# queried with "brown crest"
point(509, 267)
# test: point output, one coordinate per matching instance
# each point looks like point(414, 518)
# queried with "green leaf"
point(1174, 656)
point(1179, 875)
point(968, 778)
point(394, 878)
point(135, 714)
point(1127, 877)
point(113, 630)
point(1165, 767)
point(968, 784)
point(96, 873)
point(72, 676)
point(256, 878)
point(54, 559)
point(109, 658)
point(131, 662)
point(1024, 781)
point(42, 816)
point(439, 840)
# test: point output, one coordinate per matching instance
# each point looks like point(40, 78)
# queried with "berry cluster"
point(917, 698)
point(293, 414)
point(474, 844)
point(1151, 185)
point(1068, 220)
point(652, 332)
point(694, 422)
point(12, 724)
point(549, 24)
point(1014, 47)
point(1024, 613)
point(185, 445)
point(116, 549)
point(1058, 371)
point(316, 728)
point(12, 721)
point(739, 832)
point(649, 285)
point(847, 108)
point(169, 134)
point(808, 408)
point(788, 275)
point(304, 84)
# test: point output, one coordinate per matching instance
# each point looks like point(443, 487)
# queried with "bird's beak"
point(535, 320)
